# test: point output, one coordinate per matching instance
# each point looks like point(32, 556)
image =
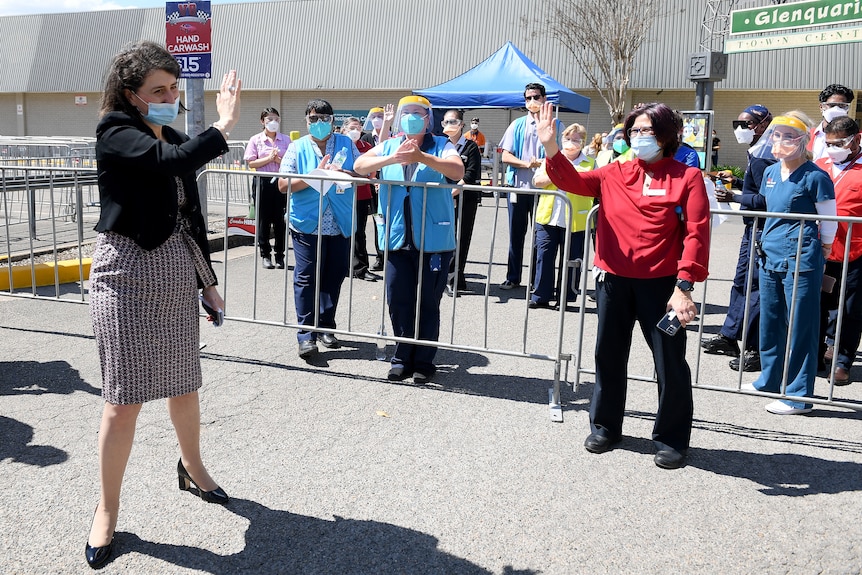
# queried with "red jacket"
point(657, 231)
point(848, 202)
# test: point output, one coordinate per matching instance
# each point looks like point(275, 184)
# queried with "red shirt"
point(650, 231)
point(848, 202)
point(363, 191)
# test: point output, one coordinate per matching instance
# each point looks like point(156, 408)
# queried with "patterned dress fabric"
point(144, 308)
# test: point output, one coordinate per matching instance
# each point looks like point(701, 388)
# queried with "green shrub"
point(735, 170)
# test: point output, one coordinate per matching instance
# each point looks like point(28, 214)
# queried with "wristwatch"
point(684, 285)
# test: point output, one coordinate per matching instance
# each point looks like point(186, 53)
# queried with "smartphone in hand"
point(215, 316)
point(669, 323)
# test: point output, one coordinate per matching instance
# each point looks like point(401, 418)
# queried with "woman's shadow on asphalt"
point(283, 542)
point(35, 378)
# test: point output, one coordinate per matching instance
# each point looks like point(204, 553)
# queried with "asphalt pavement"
point(332, 469)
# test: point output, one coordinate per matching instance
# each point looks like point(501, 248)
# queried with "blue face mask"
point(620, 146)
point(160, 114)
point(413, 124)
point(646, 148)
point(320, 130)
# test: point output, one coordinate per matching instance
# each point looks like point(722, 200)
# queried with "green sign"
point(794, 15)
point(795, 40)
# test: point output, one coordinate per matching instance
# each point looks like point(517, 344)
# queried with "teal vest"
point(305, 205)
point(396, 200)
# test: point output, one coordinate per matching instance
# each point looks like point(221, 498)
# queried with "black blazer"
point(472, 159)
point(136, 170)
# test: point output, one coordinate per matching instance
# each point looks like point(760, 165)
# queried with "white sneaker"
point(781, 408)
point(747, 386)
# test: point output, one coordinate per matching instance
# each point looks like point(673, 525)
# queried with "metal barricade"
point(551, 351)
point(698, 374)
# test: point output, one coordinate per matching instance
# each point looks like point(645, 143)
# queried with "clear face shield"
point(413, 116)
point(374, 120)
point(784, 139)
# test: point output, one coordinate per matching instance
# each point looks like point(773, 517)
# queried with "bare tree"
point(604, 37)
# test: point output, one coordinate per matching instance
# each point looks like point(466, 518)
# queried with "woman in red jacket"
point(652, 245)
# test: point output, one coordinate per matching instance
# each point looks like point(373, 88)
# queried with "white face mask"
point(837, 155)
point(833, 113)
point(646, 148)
point(354, 134)
point(474, 126)
point(744, 135)
point(377, 122)
point(272, 126)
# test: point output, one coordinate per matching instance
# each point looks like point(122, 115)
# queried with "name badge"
point(655, 192)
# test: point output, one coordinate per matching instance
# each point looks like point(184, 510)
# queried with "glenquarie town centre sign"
point(827, 18)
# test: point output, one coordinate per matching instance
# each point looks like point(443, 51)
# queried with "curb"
point(67, 271)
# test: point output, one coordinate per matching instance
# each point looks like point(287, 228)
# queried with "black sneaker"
point(720, 345)
point(751, 361)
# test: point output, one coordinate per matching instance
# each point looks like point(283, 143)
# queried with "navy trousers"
point(620, 302)
point(851, 320)
point(403, 291)
point(549, 241)
point(520, 215)
point(734, 320)
point(334, 265)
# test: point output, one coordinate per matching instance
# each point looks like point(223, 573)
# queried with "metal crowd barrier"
point(829, 399)
point(377, 331)
point(56, 233)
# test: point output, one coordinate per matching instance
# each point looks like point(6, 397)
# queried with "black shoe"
point(98, 556)
point(267, 263)
point(751, 361)
point(596, 443)
point(279, 262)
point(329, 340)
point(398, 374)
point(507, 285)
point(669, 458)
point(542, 305)
point(377, 266)
point(217, 495)
point(424, 375)
point(307, 349)
point(451, 292)
point(367, 276)
point(720, 345)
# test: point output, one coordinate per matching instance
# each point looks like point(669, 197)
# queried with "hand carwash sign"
point(188, 34)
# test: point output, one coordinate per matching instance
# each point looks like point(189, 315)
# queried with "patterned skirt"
point(144, 307)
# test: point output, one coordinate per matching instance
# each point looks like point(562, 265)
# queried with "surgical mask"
point(272, 126)
point(320, 130)
point(837, 155)
point(377, 122)
point(474, 126)
point(160, 114)
point(744, 135)
point(833, 113)
point(646, 148)
point(413, 124)
point(620, 146)
point(354, 134)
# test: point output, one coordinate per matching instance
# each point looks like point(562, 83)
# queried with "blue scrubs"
point(806, 186)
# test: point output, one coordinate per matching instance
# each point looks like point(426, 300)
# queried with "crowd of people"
point(797, 280)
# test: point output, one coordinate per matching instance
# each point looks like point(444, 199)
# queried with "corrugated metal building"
point(362, 54)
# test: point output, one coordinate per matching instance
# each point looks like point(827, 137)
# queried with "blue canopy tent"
point(498, 82)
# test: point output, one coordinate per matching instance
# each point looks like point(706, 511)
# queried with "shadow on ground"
point(283, 542)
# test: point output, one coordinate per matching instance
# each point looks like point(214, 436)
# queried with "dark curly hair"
point(129, 69)
point(833, 89)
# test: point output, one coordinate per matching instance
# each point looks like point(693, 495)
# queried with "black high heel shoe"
point(217, 495)
point(97, 556)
